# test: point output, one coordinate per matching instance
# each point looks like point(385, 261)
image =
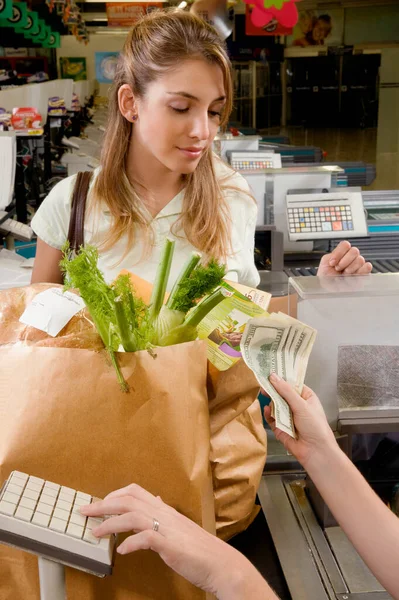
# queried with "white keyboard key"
point(89, 537)
point(80, 501)
point(46, 509)
point(31, 494)
point(65, 505)
point(15, 489)
point(85, 497)
point(7, 508)
point(93, 523)
point(68, 490)
point(76, 510)
point(44, 499)
point(75, 530)
point(9, 497)
point(50, 492)
point(37, 480)
point(31, 485)
point(59, 513)
point(58, 525)
point(52, 486)
point(25, 514)
point(66, 497)
point(18, 476)
point(78, 519)
point(27, 503)
point(41, 519)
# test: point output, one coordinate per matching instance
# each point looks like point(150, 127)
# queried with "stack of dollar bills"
point(282, 345)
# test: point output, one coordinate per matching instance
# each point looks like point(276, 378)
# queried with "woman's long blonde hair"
point(156, 43)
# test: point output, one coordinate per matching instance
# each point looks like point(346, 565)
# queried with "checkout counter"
point(295, 542)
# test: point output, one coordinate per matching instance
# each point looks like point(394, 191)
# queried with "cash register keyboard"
point(253, 161)
point(319, 219)
point(251, 164)
point(44, 518)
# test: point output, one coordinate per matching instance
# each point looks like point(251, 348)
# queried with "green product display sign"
point(35, 31)
point(48, 36)
point(42, 36)
point(5, 9)
point(53, 41)
point(32, 27)
point(19, 17)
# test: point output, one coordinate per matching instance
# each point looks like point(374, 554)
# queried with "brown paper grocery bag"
point(63, 417)
point(238, 446)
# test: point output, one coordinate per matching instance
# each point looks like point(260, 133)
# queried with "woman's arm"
point(46, 267)
point(372, 528)
point(200, 557)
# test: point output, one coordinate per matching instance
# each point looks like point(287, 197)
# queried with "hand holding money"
point(282, 345)
point(315, 439)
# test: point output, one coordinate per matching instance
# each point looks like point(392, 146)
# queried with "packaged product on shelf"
point(56, 106)
point(26, 119)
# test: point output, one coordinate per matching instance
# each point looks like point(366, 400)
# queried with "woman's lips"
point(192, 152)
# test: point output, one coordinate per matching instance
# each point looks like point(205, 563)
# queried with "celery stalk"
point(127, 338)
point(187, 331)
point(203, 308)
point(161, 279)
point(121, 380)
point(188, 268)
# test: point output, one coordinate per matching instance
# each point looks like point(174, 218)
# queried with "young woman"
point(158, 175)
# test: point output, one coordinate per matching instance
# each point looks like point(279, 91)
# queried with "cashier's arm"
point(46, 266)
point(372, 528)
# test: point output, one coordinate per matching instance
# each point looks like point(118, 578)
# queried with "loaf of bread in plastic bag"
point(80, 332)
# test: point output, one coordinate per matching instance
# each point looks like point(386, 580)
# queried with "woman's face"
point(320, 31)
point(179, 115)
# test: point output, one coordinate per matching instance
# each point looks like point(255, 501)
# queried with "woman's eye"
point(213, 113)
point(179, 110)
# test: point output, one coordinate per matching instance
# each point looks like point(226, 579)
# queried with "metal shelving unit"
point(257, 93)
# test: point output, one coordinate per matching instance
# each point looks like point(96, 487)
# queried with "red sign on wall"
point(272, 28)
point(124, 14)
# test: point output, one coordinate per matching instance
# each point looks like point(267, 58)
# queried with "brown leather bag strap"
point(78, 208)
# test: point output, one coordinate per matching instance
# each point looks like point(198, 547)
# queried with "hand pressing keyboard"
point(44, 518)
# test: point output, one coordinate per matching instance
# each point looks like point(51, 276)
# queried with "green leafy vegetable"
point(193, 283)
point(201, 281)
point(121, 319)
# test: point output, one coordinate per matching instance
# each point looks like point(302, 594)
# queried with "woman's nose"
point(200, 127)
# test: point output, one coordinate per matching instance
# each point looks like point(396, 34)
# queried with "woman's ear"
point(126, 101)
